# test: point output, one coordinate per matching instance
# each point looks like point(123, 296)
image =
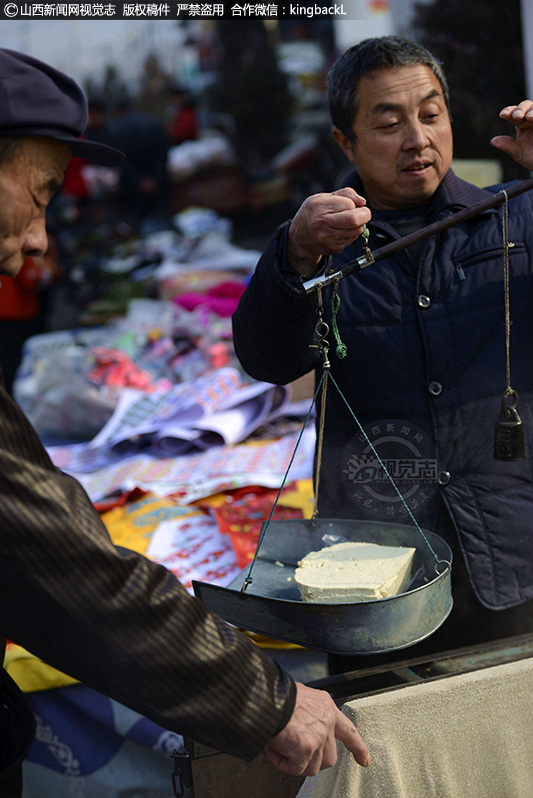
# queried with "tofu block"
point(349, 572)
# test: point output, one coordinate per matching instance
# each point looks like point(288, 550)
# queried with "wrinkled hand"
point(324, 225)
point(521, 147)
point(307, 743)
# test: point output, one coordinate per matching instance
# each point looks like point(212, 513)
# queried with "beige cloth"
point(464, 736)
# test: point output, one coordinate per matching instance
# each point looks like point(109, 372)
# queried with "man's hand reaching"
point(307, 743)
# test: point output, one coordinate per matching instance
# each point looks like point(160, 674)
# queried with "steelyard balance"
point(270, 603)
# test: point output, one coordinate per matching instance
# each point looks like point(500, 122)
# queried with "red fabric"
point(118, 499)
point(74, 184)
point(20, 295)
point(184, 127)
point(242, 517)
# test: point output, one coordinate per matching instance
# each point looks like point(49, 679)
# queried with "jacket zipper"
point(480, 257)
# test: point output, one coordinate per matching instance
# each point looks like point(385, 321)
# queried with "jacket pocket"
point(466, 260)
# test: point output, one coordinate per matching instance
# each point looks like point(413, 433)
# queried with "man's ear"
point(344, 143)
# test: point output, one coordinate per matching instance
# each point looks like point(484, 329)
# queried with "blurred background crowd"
point(229, 116)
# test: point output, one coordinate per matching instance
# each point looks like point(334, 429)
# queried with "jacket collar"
point(452, 195)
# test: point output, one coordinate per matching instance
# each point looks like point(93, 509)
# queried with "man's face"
point(403, 137)
point(28, 182)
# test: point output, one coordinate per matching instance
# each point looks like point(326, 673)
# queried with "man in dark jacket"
point(424, 331)
point(107, 616)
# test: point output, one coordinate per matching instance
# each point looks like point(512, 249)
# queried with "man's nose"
point(36, 240)
point(416, 136)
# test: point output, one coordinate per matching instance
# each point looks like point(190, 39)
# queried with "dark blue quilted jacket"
point(425, 364)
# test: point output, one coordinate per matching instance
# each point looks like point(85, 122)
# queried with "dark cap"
point(38, 100)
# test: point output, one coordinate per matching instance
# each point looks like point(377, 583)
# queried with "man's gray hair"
point(373, 55)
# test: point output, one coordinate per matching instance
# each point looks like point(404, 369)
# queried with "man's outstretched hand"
point(519, 148)
point(307, 743)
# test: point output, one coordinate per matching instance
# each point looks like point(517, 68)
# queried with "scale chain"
point(509, 439)
point(321, 333)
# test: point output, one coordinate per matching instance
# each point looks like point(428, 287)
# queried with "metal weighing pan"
point(271, 604)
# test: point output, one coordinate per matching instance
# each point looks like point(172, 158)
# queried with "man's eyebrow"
point(382, 108)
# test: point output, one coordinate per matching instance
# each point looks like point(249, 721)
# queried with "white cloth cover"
point(463, 736)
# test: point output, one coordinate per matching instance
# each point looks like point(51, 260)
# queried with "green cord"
point(341, 349)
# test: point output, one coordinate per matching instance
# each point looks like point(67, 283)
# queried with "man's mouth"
point(417, 167)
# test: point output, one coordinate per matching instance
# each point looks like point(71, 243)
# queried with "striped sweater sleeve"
point(116, 621)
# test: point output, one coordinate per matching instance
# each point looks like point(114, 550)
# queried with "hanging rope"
point(509, 435)
point(382, 464)
point(320, 438)
point(249, 580)
point(506, 246)
point(321, 334)
point(341, 349)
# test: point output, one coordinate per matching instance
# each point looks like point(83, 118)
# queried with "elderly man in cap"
point(67, 594)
